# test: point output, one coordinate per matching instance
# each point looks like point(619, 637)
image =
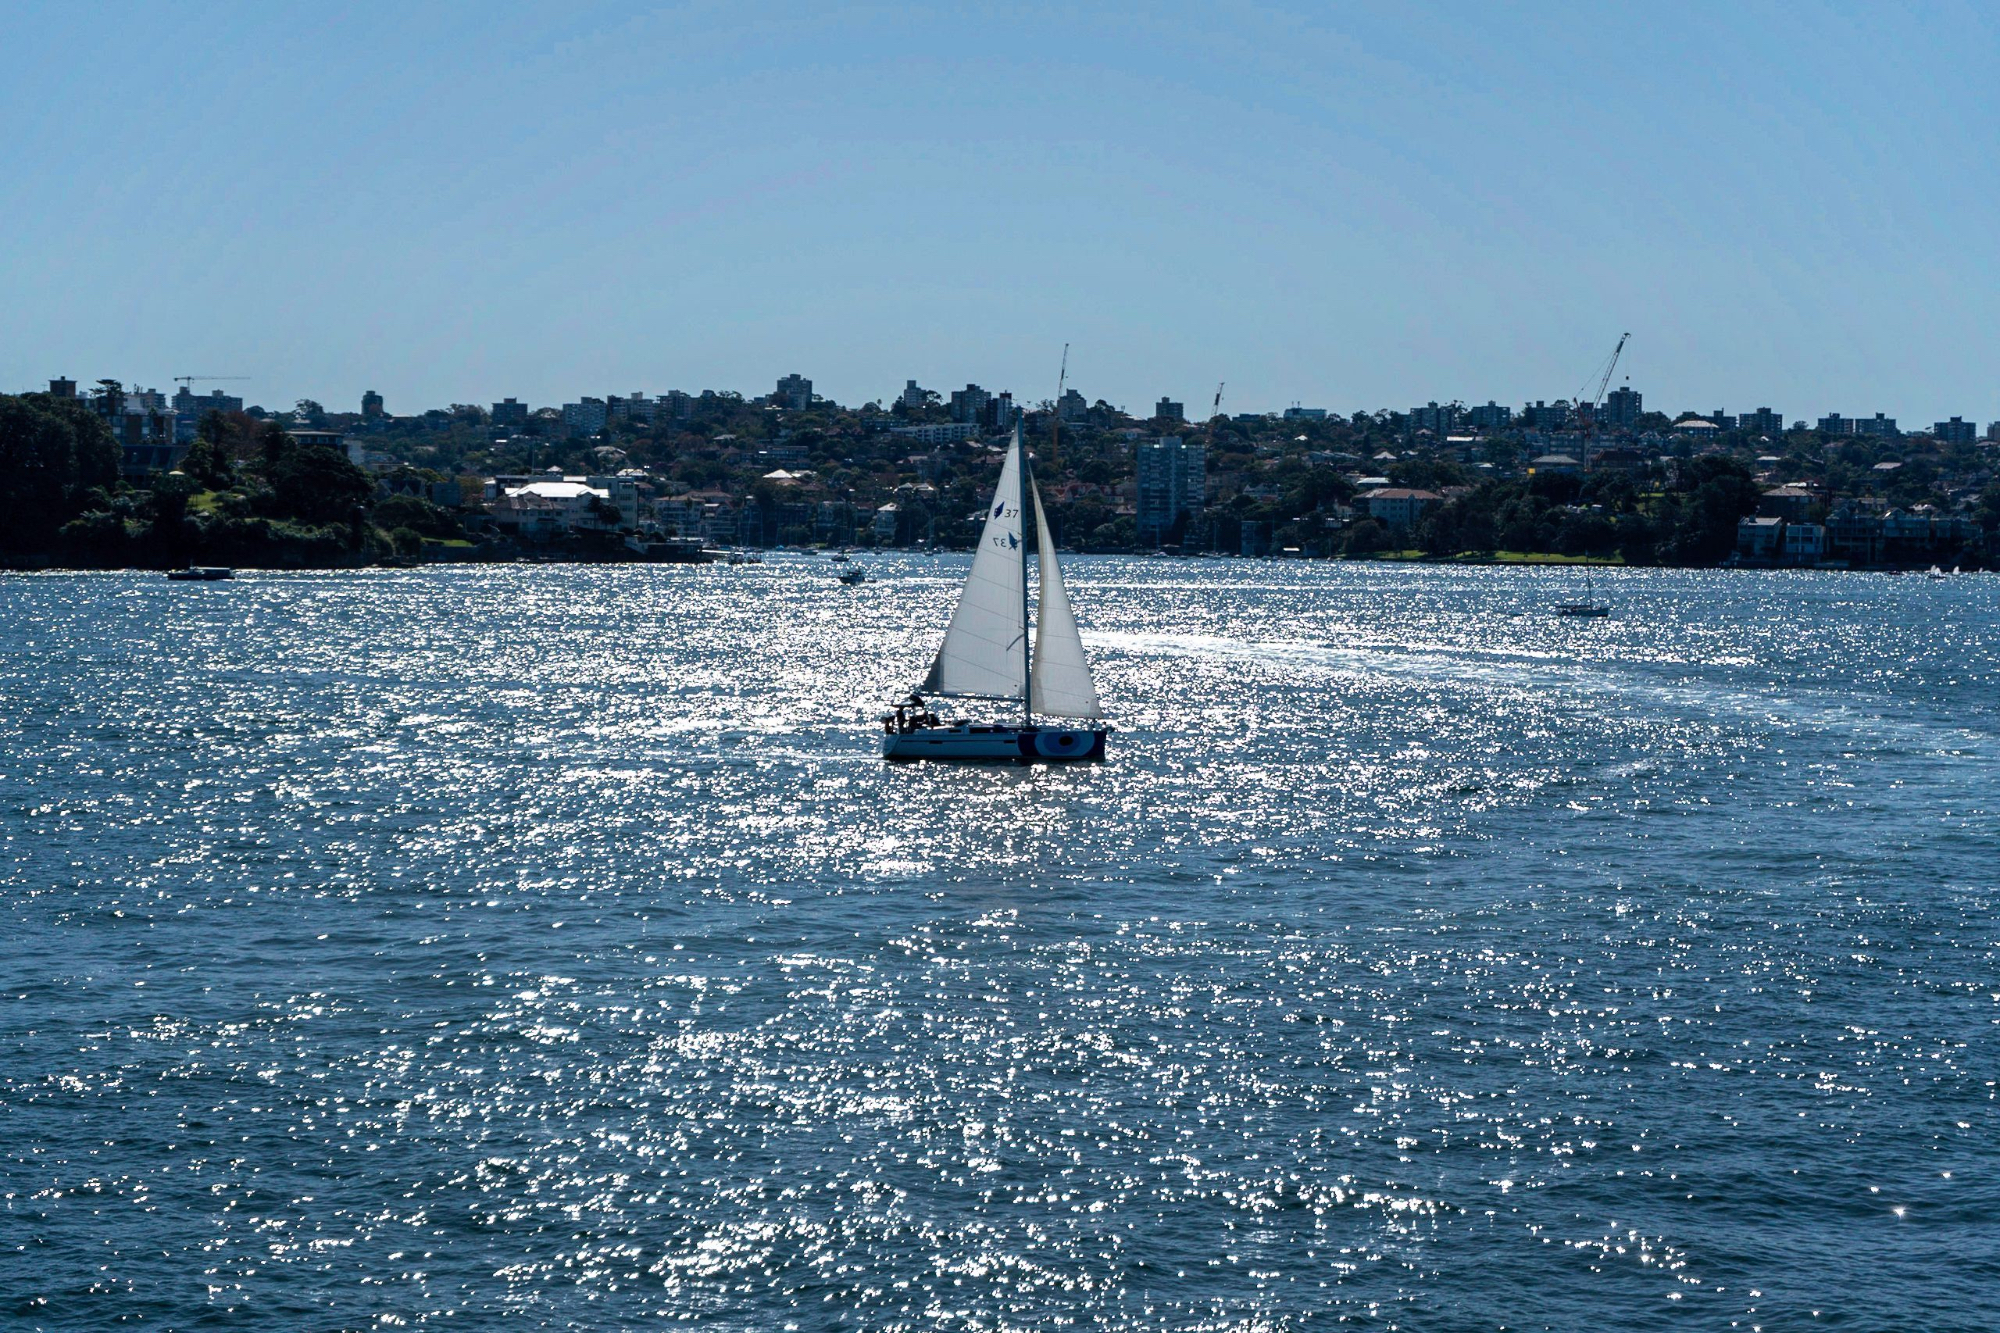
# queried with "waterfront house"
point(1787, 502)
point(1906, 533)
point(885, 523)
point(1399, 508)
point(554, 506)
point(1854, 533)
point(1804, 543)
point(1757, 539)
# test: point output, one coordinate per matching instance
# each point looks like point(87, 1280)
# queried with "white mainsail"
point(1062, 686)
point(982, 652)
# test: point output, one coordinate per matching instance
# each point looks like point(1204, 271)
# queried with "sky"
point(1347, 206)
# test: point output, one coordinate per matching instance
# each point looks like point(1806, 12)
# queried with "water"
point(388, 947)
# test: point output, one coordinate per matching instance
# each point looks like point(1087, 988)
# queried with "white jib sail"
point(1062, 686)
point(981, 652)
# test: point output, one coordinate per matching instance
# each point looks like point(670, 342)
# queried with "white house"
point(1398, 508)
point(557, 506)
point(885, 522)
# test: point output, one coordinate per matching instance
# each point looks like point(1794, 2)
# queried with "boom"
point(1597, 397)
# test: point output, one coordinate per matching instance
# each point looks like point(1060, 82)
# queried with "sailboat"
point(1589, 606)
point(987, 653)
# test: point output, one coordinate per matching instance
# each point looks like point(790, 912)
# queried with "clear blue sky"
point(1348, 206)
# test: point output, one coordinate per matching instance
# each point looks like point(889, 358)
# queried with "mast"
point(1055, 417)
point(1027, 660)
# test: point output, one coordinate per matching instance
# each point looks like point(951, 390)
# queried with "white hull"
point(979, 744)
point(987, 652)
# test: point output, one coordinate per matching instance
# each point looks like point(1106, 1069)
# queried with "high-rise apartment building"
point(192, 405)
point(1437, 420)
point(1622, 408)
point(795, 392)
point(969, 404)
point(371, 406)
point(510, 412)
point(1169, 410)
point(974, 406)
point(585, 417)
point(634, 406)
point(1172, 479)
point(1762, 422)
point(1878, 425)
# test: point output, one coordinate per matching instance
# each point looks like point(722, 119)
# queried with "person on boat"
point(911, 714)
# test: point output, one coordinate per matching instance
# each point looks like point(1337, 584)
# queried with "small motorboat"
point(202, 574)
point(853, 576)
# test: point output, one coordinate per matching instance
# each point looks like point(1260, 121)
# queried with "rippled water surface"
point(392, 948)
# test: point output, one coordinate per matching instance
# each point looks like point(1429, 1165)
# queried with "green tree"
point(206, 462)
point(170, 494)
point(53, 453)
point(1719, 491)
point(109, 396)
point(1426, 474)
point(1121, 534)
point(274, 442)
point(1367, 538)
point(417, 514)
point(1988, 514)
point(318, 485)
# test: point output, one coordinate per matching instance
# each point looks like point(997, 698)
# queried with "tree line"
point(245, 493)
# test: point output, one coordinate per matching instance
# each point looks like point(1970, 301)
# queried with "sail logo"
point(1008, 540)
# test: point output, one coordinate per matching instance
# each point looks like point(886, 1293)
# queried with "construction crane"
point(1215, 408)
point(189, 380)
point(1597, 397)
point(1055, 417)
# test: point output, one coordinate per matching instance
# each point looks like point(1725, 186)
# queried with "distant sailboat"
point(1589, 606)
point(987, 654)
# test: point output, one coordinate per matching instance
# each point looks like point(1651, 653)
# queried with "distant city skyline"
point(1620, 410)
point(1358, 210)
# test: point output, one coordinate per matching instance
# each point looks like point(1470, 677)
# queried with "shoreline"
point(1496, 560)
